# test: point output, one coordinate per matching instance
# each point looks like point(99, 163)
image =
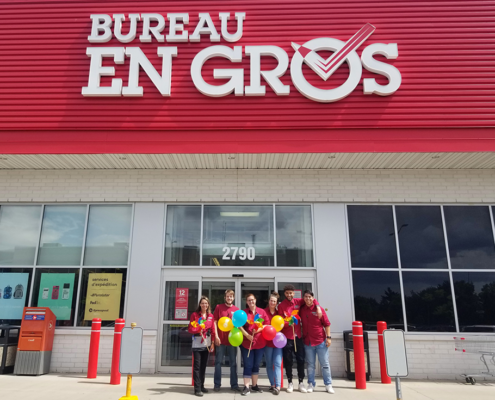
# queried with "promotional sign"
point(56, 292)
point(103, 296)
point(181, 301)
point(13, 292)
point(298, 294)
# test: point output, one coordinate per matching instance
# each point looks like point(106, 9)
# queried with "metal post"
point(94, 347)
point(128, 388)
point(398, 389)
point(359, 361)
point(381, 326)
point(117, 339)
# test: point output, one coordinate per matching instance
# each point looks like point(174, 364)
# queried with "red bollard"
point(381, 326)
point(94, 347)
point(359, 366)
point(117, 339)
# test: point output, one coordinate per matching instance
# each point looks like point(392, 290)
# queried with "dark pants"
point(199, 368)
point(289, 358)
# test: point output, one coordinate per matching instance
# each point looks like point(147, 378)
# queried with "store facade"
point(142, 166)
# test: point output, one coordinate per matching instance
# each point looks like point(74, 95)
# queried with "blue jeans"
point(273, 357)
point(219, 354)
point(251, 363)
point(322, 351)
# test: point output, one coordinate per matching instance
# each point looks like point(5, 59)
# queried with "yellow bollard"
point(129, 382)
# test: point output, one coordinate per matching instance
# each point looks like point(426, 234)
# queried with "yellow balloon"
point(225, 324)
point(278, 323)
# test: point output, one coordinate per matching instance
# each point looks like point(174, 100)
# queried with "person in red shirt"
point(273, 355)
point(254, 344)
point(223, 345)
point(317, 340)
point(285, 309)
point(202, 328)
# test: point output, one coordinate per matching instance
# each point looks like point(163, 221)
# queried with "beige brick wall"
point(466, 186)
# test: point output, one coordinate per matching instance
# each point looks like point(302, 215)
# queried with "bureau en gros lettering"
point(104, 27)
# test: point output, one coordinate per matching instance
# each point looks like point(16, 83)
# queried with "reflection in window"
point(62, 235)
point(176, 345)
point(183, 235)
point(175, 294)
point(475, 300)
point(372, 237)
point(377, 298)
point(238, 236)
point(421, 240)
point(15, 284)
point(469, 231)
point(294, 236)
point(429, 304)
point(19, 233)
point(107, 241)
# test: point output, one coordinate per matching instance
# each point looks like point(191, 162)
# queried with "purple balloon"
point(279, 340)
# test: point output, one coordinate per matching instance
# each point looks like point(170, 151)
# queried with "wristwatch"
point(329, 337)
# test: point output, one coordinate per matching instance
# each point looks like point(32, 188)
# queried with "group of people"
point(305, 340)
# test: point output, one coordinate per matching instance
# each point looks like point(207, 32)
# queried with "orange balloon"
point(278, 323)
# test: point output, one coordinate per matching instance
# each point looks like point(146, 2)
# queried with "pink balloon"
point(279, 340)
point(269, 332)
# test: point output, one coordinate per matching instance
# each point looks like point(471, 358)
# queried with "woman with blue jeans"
point(253, 346)
point(273, 355)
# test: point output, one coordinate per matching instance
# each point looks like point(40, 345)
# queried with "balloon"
point(225, 324)
point(236, 337)
point(268, 332)
point(239, 318)
point(277, 323)
point(280, 340)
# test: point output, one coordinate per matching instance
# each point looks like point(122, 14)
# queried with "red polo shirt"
point(258, 341)
point(222, 310)
point(208, 324)
point(287, 307)
point(313, 327)
point(269, 343)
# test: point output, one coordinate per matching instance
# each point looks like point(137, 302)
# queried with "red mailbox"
point(34, 350)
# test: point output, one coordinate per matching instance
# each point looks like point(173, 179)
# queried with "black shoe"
point(246, 391)
point(204, 390)
point(236, 389)
point(217, 389)
point(256, 389)
point(199, 394)
point(276, 391)
point(271, 389)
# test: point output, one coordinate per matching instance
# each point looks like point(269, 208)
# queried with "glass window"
point(176, 345)
point(107, 240)
point(299, 292)
point(294, 236)
point(470, 235)
point(421, 239)
point(57, 288)
point(372, 237)
point(377, 298)
point(102, 295)
point(181, 300)
point(62, 235)
point(238, 236)
point(19, 234)
point(15, 284)
point(475, 300)
point(429, 304)
point(215, 291)
point(183, 235)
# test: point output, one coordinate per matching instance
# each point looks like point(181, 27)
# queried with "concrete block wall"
point(71, 351)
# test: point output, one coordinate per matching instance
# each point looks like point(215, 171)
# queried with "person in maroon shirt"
point(223, 345)
point(273, 355)
point(253, 346)
point(285, 309)
point(202, 342)
point(317, 340)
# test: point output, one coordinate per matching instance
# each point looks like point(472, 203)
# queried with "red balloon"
point(268, 332)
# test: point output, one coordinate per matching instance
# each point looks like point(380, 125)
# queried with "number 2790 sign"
point(241, 253)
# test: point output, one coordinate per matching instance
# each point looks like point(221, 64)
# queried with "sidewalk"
point(178, 387)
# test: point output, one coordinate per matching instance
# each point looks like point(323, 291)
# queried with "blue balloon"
point(239, 318)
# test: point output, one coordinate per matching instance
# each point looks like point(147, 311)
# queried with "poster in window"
point(56, 291)
point(13, 292)
point(298, 294)
point(181, 302)
point(103, 296)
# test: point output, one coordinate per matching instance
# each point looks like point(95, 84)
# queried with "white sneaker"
point(329, 389)
point(310, 388)
point(302, 388)
point(290, 388)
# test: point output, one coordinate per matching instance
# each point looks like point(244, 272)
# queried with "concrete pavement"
point(178, 387)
